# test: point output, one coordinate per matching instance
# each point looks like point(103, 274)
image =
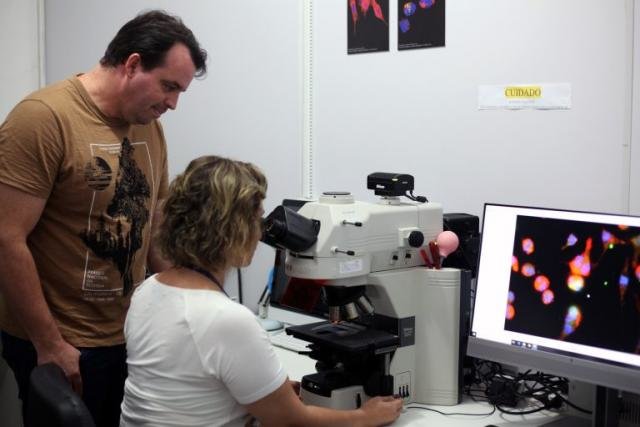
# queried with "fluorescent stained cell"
point(637, 272)
point(354, 13)
point(581, 264)
point(409, 8)
point(624, 280)
point(571, 240)
point(547, 297)
point(426, 4)
point(572, 320)
point(541, 283)
point(528, 246)
point(511, 312)
point(404, 25)
point(528, 270)
point(377, 10)
point(608, 239)
point(575, 282)
point(364, 6)
point(515, 265)
point(623, 226)
point(623, 283)
point(511, 297)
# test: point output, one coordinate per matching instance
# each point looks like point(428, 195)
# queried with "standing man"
point(83, 169)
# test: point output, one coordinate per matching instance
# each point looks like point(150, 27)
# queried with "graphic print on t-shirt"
point(98, 174)
point(117, 235)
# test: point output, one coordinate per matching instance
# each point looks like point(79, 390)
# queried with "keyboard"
point(288, 342)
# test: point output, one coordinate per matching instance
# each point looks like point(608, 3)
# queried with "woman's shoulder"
point(219, 308)
point(144, 287)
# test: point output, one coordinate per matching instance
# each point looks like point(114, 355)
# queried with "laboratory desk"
point(298, 365)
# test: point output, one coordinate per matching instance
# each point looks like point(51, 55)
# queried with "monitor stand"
point(606, 408)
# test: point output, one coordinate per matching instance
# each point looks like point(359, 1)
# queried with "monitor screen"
point(559, 291)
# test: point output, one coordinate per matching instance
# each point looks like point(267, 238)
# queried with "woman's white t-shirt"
point(194, 358)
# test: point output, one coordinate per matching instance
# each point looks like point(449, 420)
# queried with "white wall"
point(19, 75)
point(634, 178)
point(19, 46)
point(417, 111)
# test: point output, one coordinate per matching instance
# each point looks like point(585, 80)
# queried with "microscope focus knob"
point(416, 239)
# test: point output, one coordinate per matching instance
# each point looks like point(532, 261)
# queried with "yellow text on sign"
point(523, 92)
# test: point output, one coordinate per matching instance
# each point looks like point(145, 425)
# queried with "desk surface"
point(298, 365)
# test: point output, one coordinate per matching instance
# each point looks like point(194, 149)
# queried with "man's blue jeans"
point(103, 371)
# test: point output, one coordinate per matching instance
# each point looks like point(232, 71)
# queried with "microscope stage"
point(346, 337)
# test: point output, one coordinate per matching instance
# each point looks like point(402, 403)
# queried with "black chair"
point(52, 402)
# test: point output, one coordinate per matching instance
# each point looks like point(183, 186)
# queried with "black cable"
point(505, 390)
point(264, 292)
point(410, 196)
point(486, 414)
point(574, 406)
point(531, 411)
point(239, 286)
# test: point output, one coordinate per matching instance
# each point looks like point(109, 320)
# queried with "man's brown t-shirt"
point(102, 180)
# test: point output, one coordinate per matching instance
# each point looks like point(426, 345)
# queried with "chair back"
point(52, 402)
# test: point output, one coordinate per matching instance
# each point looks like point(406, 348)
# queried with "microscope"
point(396, 327)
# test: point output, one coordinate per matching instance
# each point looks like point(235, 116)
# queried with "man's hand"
point(66, 357)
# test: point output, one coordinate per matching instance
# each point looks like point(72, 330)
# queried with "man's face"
point(150, 93)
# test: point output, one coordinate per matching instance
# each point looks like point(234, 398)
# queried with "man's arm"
point(155, 262)
point(284, 408)
point(20, 285)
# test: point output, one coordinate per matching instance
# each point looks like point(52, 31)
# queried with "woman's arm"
point(284, 408)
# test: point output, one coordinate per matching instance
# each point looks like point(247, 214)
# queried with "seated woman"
point(195, 357)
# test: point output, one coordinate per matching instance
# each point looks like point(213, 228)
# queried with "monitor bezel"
point(574, 366)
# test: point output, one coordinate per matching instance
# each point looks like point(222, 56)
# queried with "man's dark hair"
point(152, 34)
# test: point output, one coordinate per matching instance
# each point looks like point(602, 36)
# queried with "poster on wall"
point(367, 26)
point(420, 24)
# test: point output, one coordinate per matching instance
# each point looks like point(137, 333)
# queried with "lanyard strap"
point(209, 276)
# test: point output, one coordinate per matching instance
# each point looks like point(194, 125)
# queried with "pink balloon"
point(447, 242)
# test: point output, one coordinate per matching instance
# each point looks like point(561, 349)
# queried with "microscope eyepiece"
point(274, 227)
point(286, 229)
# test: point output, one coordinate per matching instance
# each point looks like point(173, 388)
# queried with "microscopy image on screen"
point(576, 281)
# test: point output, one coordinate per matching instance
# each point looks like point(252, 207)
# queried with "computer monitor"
point(559, 291)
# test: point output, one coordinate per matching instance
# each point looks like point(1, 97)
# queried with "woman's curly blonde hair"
point(212, 214)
